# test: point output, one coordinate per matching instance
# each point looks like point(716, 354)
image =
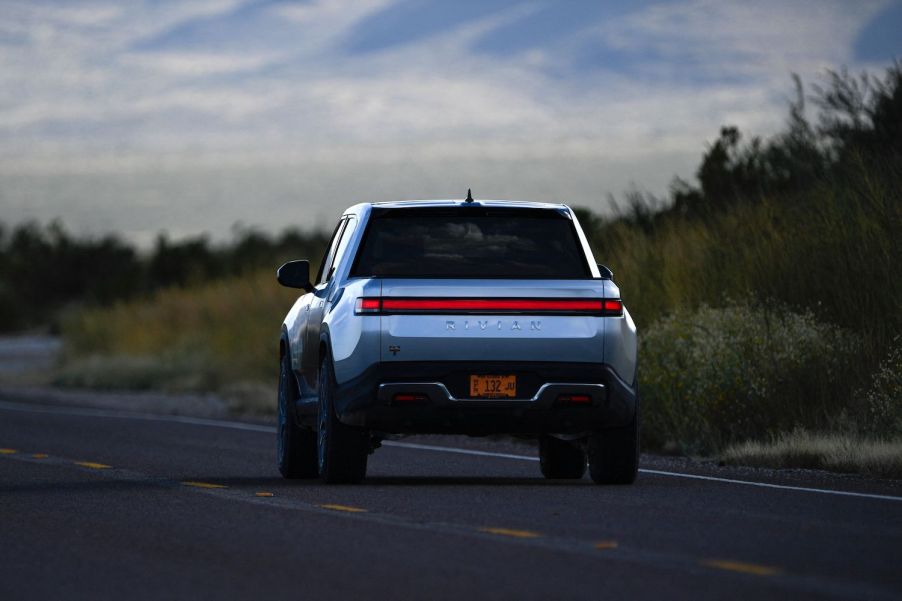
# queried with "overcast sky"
point(187, 117)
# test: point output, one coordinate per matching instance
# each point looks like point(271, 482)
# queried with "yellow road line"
point(203, 484)
point(606, 544)
point(92, 465)
point(511, 532)
point(741, 566)
point(347, 508)
point(40, 455)
point(263, 493)
point(8, 451)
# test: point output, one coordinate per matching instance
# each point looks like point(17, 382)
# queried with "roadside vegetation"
point(46, 272)
point(771, 292)
point(800, 449)
point(714, 376)
point(768, 295)
point(783, 305)
point(221, 336)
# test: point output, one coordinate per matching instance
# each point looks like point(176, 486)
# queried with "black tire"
point(614, 454)
point(296, 446)
point(342, 450)
point(561, 459)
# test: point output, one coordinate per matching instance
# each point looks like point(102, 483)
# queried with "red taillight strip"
point(613, 307)
point(487, 304)
point(368, 305)
point(490, 305)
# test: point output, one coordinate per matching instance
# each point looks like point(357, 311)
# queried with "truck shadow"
point(469, 481)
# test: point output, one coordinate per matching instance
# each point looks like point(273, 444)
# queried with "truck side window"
point(342, 246)
point(327, 258)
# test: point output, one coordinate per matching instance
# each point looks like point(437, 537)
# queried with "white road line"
point(152, 417)
point(825, 491)
point(216, 423)
point(430, 447)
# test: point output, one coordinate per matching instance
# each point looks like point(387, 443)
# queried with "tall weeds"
point(833, 250)
point(229, 329)
point(825, 260)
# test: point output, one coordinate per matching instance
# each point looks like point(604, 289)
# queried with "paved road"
point(98, 505)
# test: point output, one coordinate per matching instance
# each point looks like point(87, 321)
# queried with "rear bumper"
point(443, 406)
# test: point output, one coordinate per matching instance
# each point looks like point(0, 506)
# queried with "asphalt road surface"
point(103, 505)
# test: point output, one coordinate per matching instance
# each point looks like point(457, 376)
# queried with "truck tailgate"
point(492, 320)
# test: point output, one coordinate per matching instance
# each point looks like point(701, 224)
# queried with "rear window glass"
point(471, 243)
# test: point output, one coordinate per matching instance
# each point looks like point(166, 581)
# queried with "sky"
point(138, 117)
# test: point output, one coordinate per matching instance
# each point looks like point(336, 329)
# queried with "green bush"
point(721, 375)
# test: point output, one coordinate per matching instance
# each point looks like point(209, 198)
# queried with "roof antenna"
point(469, 196)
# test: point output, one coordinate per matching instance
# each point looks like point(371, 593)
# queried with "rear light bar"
point(574, 399)
point(553, 306)
point(409, 397)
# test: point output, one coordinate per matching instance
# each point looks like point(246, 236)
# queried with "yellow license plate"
point(493, 386)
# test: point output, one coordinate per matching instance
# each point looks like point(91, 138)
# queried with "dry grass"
point(125, 372)
point(832, 250)
point(252, 398)
point(833, 452)
point(212, 337)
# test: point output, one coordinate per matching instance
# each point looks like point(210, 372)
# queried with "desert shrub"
point(745, 371)
point(880, 405)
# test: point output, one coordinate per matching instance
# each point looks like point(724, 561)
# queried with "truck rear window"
point(471, 242)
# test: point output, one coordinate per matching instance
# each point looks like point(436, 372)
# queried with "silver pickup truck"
point(457, 317)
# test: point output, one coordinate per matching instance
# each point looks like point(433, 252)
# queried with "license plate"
point(493, 387)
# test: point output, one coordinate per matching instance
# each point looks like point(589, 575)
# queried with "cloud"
point(193, 64)
point(762, 39)
point(106, 87)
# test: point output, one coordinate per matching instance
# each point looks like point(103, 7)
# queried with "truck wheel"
point(342, 450)
point(296, 446)
point(614, 454)
point(561, 459)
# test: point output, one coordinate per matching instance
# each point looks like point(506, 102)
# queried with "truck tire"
point(342, 450)
point(614, 454)
point(296, 446)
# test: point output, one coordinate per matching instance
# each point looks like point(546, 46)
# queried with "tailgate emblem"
point(534, 325)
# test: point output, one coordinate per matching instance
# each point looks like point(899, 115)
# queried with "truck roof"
point(397, 204)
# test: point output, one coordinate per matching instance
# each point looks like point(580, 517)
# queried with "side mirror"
point(605, 272)
point(295, 274)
